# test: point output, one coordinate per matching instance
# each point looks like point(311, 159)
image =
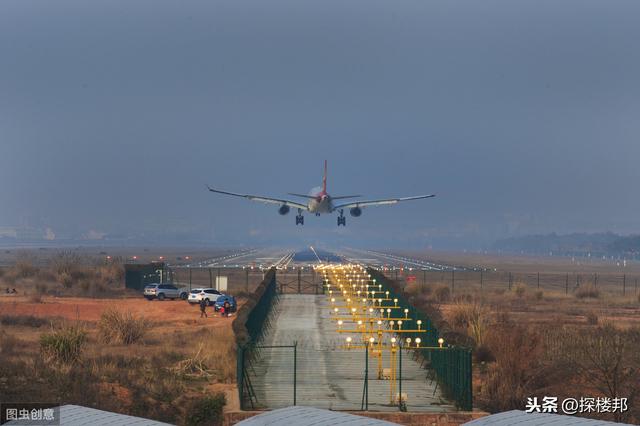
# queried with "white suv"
point(210, 295)
point(164, 291)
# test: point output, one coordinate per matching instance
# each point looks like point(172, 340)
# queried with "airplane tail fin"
point(324, 178)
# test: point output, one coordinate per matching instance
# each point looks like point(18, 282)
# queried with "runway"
point(310, 256)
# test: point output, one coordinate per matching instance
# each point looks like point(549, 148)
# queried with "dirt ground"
point(176, 326)
point(556, 308)
point(173, 313)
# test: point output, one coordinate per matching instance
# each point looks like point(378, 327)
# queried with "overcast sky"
point(522, 116)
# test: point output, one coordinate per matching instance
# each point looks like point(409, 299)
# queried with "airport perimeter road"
point(328, 375)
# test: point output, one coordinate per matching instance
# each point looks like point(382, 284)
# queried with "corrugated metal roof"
point(517, 417)
point(308, 416)
point(76, 415)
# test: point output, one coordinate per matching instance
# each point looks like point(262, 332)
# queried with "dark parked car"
point(233, 306)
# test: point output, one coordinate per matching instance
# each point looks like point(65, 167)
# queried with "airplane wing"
point(379, 202)
point(339, 197)
point(342, 197)
point(267, 200)
point(302, 195)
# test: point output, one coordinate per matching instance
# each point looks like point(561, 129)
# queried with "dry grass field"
point(527, 264)
point(544, 341)
point(74, 335)
point(42, 255)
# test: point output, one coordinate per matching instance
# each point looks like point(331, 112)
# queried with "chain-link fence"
point(238, 279)
point(488, 280)
point(252, 321)
point(360, 377)
point(452, 365)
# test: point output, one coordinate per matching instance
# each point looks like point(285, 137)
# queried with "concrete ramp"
point(328, 375)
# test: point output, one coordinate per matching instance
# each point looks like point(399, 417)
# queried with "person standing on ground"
point(203, 308)
point(227, 307)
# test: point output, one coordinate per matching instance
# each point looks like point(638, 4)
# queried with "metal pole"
point(453, 280)
point(366, 382)
point(481, 278)
point(566, 290)
point(189, 279)
point(510, 278)
point(595, 280)
point(538, 279)
point(400, 380)
point(424, 277)
point(210, 278)
point(299, 280)
point(295, 370)
point(624, 284)
point(365, 390)
point(246, 280)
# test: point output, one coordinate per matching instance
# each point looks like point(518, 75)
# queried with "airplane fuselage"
point(321, 203)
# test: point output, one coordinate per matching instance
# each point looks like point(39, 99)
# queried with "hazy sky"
point(522, 116)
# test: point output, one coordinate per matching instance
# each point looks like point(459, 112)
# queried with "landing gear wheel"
point(299, 218)
point(341, 219)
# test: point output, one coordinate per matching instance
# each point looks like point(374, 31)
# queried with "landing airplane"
point(321, 202)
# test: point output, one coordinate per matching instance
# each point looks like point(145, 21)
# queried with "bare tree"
point(608, 359)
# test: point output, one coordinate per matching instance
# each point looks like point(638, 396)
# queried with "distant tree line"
point(576, 244)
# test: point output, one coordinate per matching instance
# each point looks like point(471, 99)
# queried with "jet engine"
point(355, 212)
point(284, 209)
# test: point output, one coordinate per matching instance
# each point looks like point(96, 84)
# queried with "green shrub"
point(442, 293)
point(121, 327)
point(23, 320)
point(8, 343)
point(458, 316)
point(63, 345)
point(24, 267)
point(483, 354)
point(206, 410)
point(587, 293)
point(520, 289)
point(65, 279)
point(538, 295)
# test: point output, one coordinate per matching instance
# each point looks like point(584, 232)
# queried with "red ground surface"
point(86, 309)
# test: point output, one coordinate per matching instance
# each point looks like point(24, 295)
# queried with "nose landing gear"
point(341, 219)
point(299, 218)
